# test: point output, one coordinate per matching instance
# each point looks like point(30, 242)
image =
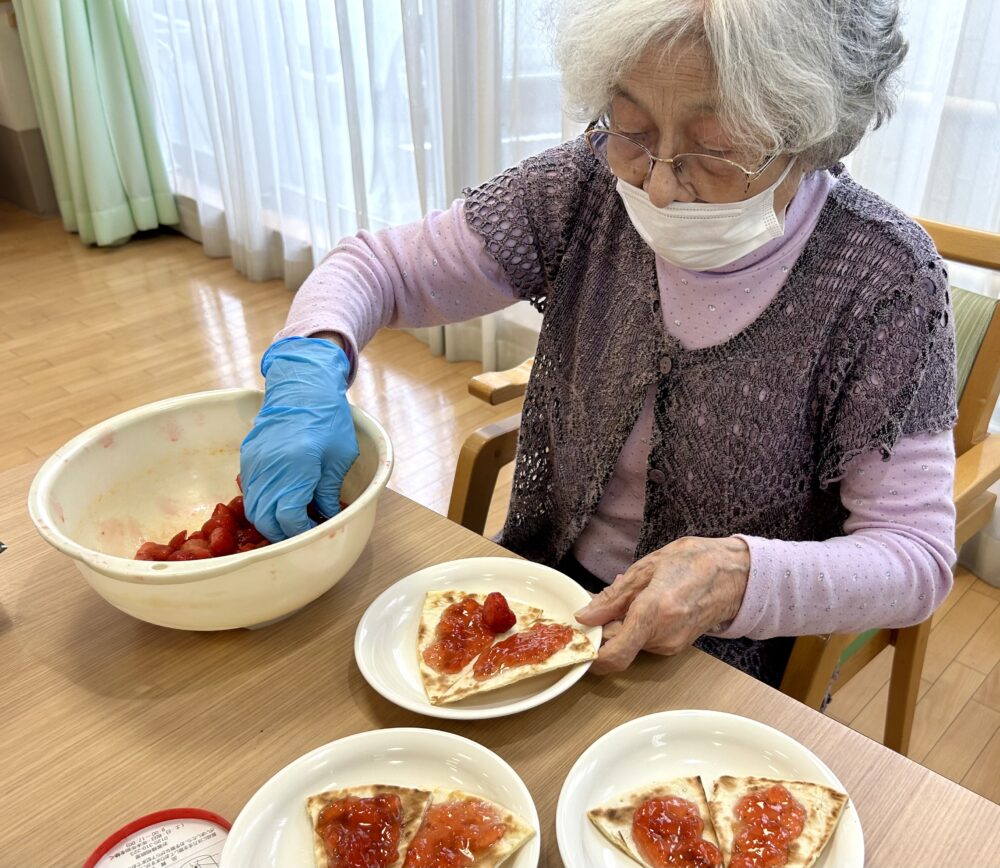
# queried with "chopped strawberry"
point(226, 532)
point(497, 614)
point(249, 535)
point(235, 506)
point(313, 512)
point(195, 545)
point(222, 542)
point(153, 551)
point(221, 517)
point(221, 512)
point(183, 554)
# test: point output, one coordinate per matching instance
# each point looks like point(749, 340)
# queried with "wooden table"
point(104, 718)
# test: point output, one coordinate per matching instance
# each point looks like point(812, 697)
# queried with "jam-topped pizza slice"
point(367, 826)
point(461, 830)
point(762, 822)
point(456, 627)
point(530, 650)
point(666, 824)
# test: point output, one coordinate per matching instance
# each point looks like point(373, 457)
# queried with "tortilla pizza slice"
point(378, 821)
point(541, 647)
point(451, 635)
point(645, 823)
point(804, 814)
point(459, 822)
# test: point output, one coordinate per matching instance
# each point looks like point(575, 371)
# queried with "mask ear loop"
point(788, 169)
point(780, 218)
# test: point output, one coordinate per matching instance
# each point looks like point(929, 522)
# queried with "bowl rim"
point(182, 572)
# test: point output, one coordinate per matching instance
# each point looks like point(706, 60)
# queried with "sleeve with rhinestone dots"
point(892, 567)
point(887, 446)
point(500, 245)
point(426, 273)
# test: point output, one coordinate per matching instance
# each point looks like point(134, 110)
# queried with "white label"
point(173, 844)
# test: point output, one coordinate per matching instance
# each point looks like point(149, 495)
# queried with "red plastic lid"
point(182, 837)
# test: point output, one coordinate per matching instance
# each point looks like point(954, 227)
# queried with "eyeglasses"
point(712, 179)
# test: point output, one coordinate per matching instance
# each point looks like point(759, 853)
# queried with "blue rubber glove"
point(302, 443)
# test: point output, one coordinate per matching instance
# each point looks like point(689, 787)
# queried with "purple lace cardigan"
point(855, 351)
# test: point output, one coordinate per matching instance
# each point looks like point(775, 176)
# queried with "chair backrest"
point(973, 313)
point(977, 330)
point(959, 244)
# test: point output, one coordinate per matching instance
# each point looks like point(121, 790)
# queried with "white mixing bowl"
point(161, 468)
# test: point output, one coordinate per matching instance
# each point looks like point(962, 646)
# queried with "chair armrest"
point(962, 244)
point(496, 387)
point(976, 469)
point(484, 452)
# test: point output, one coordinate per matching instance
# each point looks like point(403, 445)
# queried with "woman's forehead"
point(680, 80)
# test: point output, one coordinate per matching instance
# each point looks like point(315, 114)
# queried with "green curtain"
point(95, 117)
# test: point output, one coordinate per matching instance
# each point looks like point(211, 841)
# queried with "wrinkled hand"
point(668, 599)
point(302, 442)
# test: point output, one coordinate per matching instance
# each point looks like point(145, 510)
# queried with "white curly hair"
point(806, 77)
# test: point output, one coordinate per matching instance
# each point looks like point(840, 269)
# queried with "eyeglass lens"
point(713, 179)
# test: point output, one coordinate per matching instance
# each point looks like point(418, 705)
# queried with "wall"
point(24, 170)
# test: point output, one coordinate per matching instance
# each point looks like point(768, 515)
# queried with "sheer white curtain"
point(288, 124)
point(940, 155)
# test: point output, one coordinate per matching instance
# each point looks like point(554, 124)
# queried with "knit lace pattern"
point(750, 436)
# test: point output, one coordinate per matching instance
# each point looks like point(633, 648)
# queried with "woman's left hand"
point(668, 599)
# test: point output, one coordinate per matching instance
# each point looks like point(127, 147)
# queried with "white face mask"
point(701, 236)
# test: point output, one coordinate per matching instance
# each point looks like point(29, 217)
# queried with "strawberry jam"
point(454, 834)
point(667, 832)
point(361, 832)
point(533, 645)
point(767, 822)
point(460, 636)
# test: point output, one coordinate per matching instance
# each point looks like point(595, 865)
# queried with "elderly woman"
point(737, 428)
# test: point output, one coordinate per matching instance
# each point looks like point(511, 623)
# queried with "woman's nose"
point(663, 187)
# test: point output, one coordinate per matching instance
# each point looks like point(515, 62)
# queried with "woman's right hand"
point(302, 442)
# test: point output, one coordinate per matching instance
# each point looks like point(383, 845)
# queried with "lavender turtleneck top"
point(893, 565)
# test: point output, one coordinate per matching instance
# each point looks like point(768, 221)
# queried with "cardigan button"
point(666, 363)
point(657, 477)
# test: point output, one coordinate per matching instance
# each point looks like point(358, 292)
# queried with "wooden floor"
point(86, 333)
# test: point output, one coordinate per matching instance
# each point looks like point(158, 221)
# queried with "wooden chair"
point(815, 658)
point(977, 321)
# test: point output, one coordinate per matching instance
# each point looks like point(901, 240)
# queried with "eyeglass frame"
point(596, 127)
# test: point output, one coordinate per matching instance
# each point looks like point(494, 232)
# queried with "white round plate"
point(385, 644)
point(684, 744)
point(273, 830)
